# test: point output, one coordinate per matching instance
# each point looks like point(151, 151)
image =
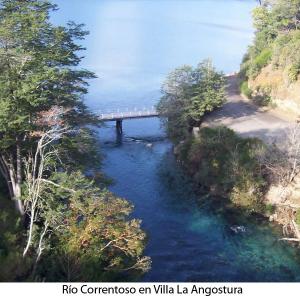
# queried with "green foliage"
point(227, 165)
point(287, 54)
point(294, 72)
point(14, 266)
point(39, 70)
point(270, 209)
point(80, 150)
point(94, 239)
point(262, 60)
point(245, 90)
point(251, 68)
point(261, 97)
point(277, 39)
point(298, 217)
point(189, 94)
point(79, 230)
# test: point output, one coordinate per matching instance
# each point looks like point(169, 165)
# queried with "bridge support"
point(119, 126)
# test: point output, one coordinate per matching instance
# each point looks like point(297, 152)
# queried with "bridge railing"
point(126, 114)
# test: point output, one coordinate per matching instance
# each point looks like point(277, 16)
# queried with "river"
point(131, 47)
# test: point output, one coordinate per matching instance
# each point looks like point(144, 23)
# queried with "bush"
point(245, 90)
point(294, 72)
point(260, 61)
point(226, 164)
point(254, 61)
point(262, 96)
point(287, 54)
point(270, 209)
point(298, 217)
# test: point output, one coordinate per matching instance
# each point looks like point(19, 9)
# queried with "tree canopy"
point(70, 227)
point(276, 39)
point(188, 94)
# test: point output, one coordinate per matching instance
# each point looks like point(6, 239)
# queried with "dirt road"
point(247, 119)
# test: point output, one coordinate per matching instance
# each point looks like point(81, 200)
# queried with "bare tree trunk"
point(5, 174)
point(18, 192)
point(13, 177)
point(34, 168)
point(30, 230)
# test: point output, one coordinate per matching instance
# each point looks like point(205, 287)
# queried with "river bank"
point(189, 237)
point(272, 127)
point(222, 164)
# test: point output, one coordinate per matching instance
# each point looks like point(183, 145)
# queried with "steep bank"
point(188, 238)
point(285, 95)
point(225, 165)
point(281, 201)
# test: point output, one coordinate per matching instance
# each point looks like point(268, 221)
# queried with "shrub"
point(260, 61)
point(287, 54)
point(298, 217)
point(245, 90)
point(270, 209)
point(262, 96)
point(254, 61)
point(294, 72)
point(226, 164)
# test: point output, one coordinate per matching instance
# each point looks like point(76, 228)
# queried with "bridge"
point(119, 116)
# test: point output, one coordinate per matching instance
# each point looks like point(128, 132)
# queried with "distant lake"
point(133, 44)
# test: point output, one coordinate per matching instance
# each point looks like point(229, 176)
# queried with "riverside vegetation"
point(58, 221)
point(270, 77)
point(217, 159)
point(271, 67)
point(241, 171)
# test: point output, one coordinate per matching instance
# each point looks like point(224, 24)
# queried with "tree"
point(95, 239)
point(189, 94)
point(208, 91)
point(286, 14)
point(276, 39)
point(87, 227)
point(172, 105)
point(39, 74)
point(45, 150)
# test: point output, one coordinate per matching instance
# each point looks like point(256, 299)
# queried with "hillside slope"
point(270, 71)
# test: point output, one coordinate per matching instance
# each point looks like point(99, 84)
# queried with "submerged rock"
point(238, 228)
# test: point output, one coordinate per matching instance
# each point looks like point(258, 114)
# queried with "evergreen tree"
point(188, 94)
point(45, 150)
point(40, 83)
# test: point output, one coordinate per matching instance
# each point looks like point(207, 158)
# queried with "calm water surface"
point(131, 47)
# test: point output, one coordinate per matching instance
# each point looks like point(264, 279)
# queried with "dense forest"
point(58, 221)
